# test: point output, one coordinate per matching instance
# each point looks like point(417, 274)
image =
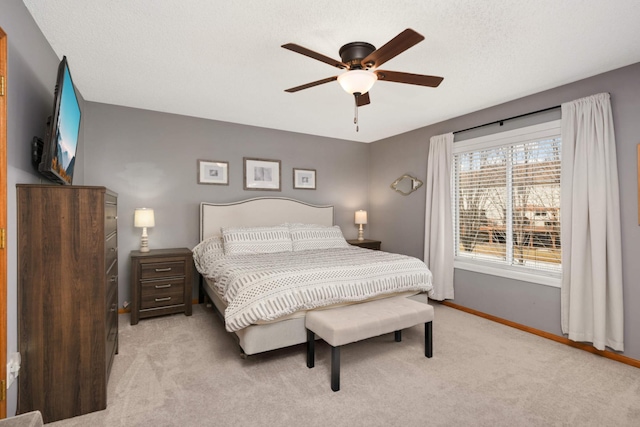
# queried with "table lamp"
point(144, 218)
point(361, 218)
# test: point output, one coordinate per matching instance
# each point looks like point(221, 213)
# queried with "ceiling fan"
point(361, 60)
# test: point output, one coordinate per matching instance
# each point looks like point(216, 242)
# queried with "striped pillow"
point(207, 252)
point(314, 236)
point(256, 240)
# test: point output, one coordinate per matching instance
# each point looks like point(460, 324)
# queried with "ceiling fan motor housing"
point(353, 53)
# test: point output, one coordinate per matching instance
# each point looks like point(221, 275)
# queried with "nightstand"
point(366, 243)
point(161, 283)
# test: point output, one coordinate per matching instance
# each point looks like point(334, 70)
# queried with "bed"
point(277, 247)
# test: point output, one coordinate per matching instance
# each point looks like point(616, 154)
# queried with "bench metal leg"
point(428, 339)
point(311, 349)
point(335, 368)
point(398, 336)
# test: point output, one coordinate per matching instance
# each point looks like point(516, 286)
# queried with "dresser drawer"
point(111, 276)
point(160, 293)
point(111, 328)
point(111, 292)
point(154, 270)
point(110, 218)
point(112, 322)
point(112, 285)
point(110, 250)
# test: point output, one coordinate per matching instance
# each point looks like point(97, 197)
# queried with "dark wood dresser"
point(67, 298)
point(161, 282)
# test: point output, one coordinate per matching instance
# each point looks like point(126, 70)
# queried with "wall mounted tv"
point(55, 156)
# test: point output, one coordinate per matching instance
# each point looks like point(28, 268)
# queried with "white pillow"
point(314, 236)
point(207, 252)
point(255, 240)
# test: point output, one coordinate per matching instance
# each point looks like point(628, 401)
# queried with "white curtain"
point(438, 239)
point(591, 294)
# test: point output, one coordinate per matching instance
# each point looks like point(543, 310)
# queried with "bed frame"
point(261, 211)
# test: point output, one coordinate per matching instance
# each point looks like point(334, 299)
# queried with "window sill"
point(510, 273)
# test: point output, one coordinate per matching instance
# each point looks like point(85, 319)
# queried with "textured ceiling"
point(222, 60)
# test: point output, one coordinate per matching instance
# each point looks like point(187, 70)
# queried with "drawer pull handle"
point(163, 286)
point(163, 299)
point(163, 270)
point(113, 308)
point(114, 249)
point(113, 279)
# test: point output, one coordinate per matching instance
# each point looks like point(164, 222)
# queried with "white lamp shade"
point(143, 217)
point(361, 217)
point(357, 81)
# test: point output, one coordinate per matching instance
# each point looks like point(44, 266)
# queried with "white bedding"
point(268, 286)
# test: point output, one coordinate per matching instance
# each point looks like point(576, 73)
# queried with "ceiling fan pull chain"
point(355, 114)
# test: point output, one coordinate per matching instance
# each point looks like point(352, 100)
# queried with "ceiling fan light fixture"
point(357, 81)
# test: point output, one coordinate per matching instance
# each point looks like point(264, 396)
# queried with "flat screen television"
point(55, 155)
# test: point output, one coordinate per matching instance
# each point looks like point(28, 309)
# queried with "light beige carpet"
point(186, 371)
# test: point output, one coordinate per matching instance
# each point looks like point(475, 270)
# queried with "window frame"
point(550, 129)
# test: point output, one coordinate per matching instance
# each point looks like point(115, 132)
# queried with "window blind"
point(506, 200)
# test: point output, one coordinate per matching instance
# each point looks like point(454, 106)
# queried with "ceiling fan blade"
point(393, 48)
point(315, 55)
point(362, 100)
point(408, 78)
point(312, 84)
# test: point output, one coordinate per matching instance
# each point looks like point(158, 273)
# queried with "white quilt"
point(264, 287)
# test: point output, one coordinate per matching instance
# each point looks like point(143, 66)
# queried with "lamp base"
point(144, 241)
point(360, 233)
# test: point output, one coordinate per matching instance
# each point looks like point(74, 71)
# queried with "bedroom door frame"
point(3, 223)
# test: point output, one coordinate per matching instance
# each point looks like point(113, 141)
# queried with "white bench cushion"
point(344, 325)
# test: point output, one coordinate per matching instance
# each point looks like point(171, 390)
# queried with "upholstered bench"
point(348, 324)
point(29, 419)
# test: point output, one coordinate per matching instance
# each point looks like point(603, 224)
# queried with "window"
point(506, 203)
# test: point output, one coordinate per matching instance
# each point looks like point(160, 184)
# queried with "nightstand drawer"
point(366, 244)
point(373, 245)
point(154, 270)
point(161, 293)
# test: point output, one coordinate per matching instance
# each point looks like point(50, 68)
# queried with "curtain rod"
point(510, 118)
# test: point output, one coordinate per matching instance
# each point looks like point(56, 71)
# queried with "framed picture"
point(304, 179)
point(261, 174)
point(213, 172)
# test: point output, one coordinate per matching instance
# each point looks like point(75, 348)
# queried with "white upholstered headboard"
point(260, 211)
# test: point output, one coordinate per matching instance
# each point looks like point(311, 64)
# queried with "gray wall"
point(150, 160)
point(399, 221)
point(31, 76)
